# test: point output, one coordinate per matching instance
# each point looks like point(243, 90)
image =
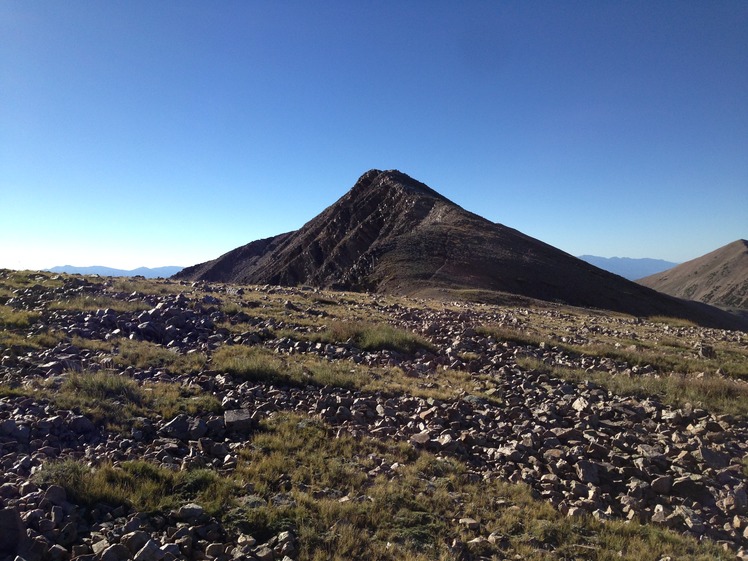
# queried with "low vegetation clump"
point(112, 399)
point(91, 303)
point(11, 318)
point(671, 321)
point(664, 354)
point(256, 364)
point(250, 364)
point(11, 282)
point(103, 386)
point(14, 343)
point(138, 484)
point(372, 337)
point(144, 354)
point(668, 356)
point(323, 487)
point(673, 369)
point(514, 335)
point(135, 285)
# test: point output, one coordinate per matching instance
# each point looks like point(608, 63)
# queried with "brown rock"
point(99, 546)
point(238, 420)
point(134, 541)
point(56, 495)
point(712, 458)
point(587, 472)
point(421, 438)
point(662, 485)
point(264, 553)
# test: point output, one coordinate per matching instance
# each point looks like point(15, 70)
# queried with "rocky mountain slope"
point(719, 278)
point(162, 421)
point(392, 234)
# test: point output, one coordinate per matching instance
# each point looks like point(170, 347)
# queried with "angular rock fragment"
point(239, 420)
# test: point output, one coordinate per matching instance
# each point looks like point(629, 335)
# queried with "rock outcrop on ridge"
point(392, 234)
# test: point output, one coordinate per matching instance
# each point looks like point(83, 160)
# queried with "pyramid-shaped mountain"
point(719, 278)
point(393, 234)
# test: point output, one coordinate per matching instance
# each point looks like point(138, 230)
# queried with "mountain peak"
point(384, 182)
point(393, 234)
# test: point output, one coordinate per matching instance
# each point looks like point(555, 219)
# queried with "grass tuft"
point(139, 484)
point(511, 334)
point(372, 337)
point(144, 354)
point(112, 400)
point(96, 302)
point(103, 386)
point(11, 318)
point(257, 364)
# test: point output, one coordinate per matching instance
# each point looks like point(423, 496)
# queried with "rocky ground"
point(580, 447)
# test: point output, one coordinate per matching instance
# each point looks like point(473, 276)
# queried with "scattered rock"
point(582, 448)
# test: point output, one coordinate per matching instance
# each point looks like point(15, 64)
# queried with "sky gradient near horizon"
point(167, 133)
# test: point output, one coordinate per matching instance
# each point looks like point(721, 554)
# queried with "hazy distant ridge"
point(110, 272)
point(629, 268)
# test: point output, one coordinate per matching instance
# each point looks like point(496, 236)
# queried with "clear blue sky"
point(167, 133)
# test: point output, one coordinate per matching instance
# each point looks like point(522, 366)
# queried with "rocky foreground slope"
point(497, 404)
point(392, 234)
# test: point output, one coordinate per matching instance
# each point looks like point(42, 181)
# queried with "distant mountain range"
point(629, 268)
point(110, 272)
point(719, 278)
point(392, 234)
point(626, 267)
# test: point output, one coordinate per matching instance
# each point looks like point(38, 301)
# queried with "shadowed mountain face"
point(719, 278)
point(393, 234)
